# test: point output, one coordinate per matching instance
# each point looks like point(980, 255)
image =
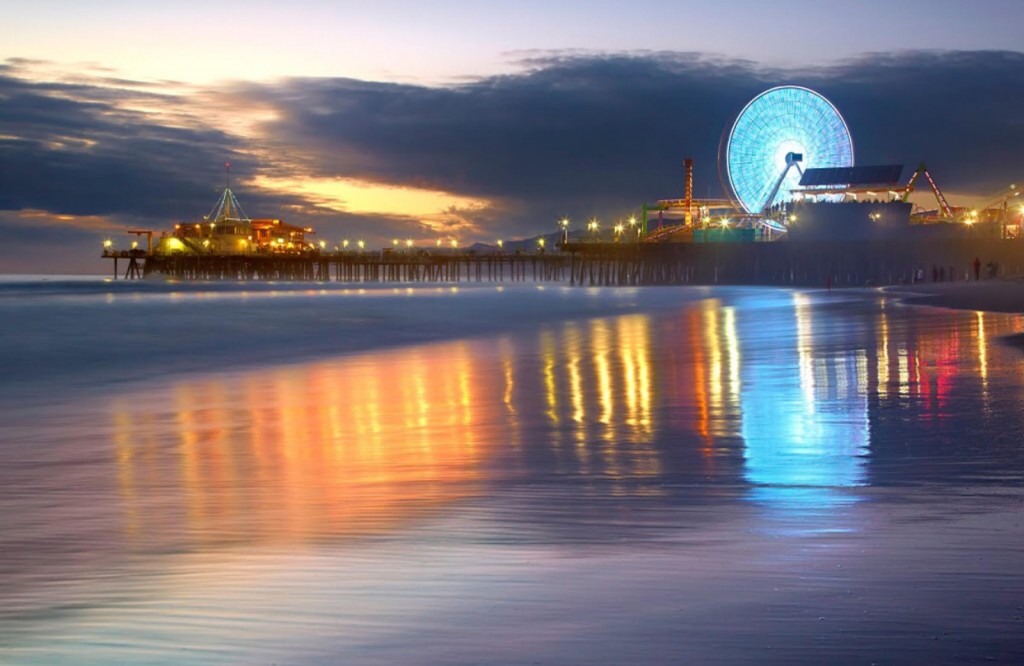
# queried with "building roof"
point(888, 174)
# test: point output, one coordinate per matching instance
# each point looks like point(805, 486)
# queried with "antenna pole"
point(227, 175)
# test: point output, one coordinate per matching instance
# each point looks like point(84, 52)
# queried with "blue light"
point(783, 120)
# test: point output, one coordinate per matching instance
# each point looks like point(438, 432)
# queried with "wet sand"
point(1002, 295)
point(645, 476)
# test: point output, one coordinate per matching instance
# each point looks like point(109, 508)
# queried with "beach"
point(308, 474)
point(992, 295)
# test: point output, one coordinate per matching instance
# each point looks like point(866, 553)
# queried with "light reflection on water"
point(806, 433)
point(614, 431)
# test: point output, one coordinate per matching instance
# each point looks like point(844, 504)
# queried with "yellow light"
point(725, 221)
point(212, 225)
point(206, 243)
point(344, 243)
point(501, 243)
point(242, 242)
point(792, 218)
point(408, 242)
point(362, 244)
point(280, 241)
point(323, 244)
point(564, 222)
point(619, 228)
point(135, 245)
point(632, 220)
point(540, 241)
point(107, 243)
point(455, 243)
point(439, 242)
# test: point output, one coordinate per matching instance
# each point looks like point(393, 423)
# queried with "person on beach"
point(977, 268)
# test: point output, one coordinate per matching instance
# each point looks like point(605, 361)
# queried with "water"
point(280, 474)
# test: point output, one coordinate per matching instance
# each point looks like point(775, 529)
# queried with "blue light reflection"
point(805, 424)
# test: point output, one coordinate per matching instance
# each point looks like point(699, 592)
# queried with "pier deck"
point(620, 264)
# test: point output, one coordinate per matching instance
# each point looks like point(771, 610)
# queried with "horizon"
point(500, 140)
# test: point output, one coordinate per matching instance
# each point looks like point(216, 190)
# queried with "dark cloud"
point(958, 111)
point(582, 134)
point(74, 149)
point(571, 134)
point(600, 128)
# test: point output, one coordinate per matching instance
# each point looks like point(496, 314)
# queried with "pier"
point(787, 263)
point(347, 267)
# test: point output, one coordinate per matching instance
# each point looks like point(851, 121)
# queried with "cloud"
point(577, 134)
point(584, 134)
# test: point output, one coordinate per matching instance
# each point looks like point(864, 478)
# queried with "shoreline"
point(1005, 295)
point(999, 295)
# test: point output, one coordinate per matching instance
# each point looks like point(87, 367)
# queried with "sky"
point(463, 120)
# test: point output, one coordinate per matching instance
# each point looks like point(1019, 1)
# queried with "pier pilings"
point(784, 263)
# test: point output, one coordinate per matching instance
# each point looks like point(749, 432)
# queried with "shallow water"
point(559, 476)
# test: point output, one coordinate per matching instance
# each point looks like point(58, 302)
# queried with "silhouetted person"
point(977, 268)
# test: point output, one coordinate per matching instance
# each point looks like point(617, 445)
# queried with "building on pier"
point(228, 231)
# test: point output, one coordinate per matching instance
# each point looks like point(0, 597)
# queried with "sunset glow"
point(432, 208)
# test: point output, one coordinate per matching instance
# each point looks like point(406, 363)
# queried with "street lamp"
point(362, 244)
point(540, 243)
point(633, 224)
point(344, 243)
point(501, 243)
point(408, 242)
point(592, 226)
point(618, 230)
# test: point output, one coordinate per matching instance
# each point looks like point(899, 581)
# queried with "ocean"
point(197, 473)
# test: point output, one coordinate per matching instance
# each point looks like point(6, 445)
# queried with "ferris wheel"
point(778, 134)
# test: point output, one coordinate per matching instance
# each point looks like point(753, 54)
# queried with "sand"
point(1001, 295)
point(997, 295)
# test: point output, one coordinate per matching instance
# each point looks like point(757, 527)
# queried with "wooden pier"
point(348, 267)
point(817, 263)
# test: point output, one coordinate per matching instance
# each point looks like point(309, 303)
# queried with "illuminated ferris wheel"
point(778, 134)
